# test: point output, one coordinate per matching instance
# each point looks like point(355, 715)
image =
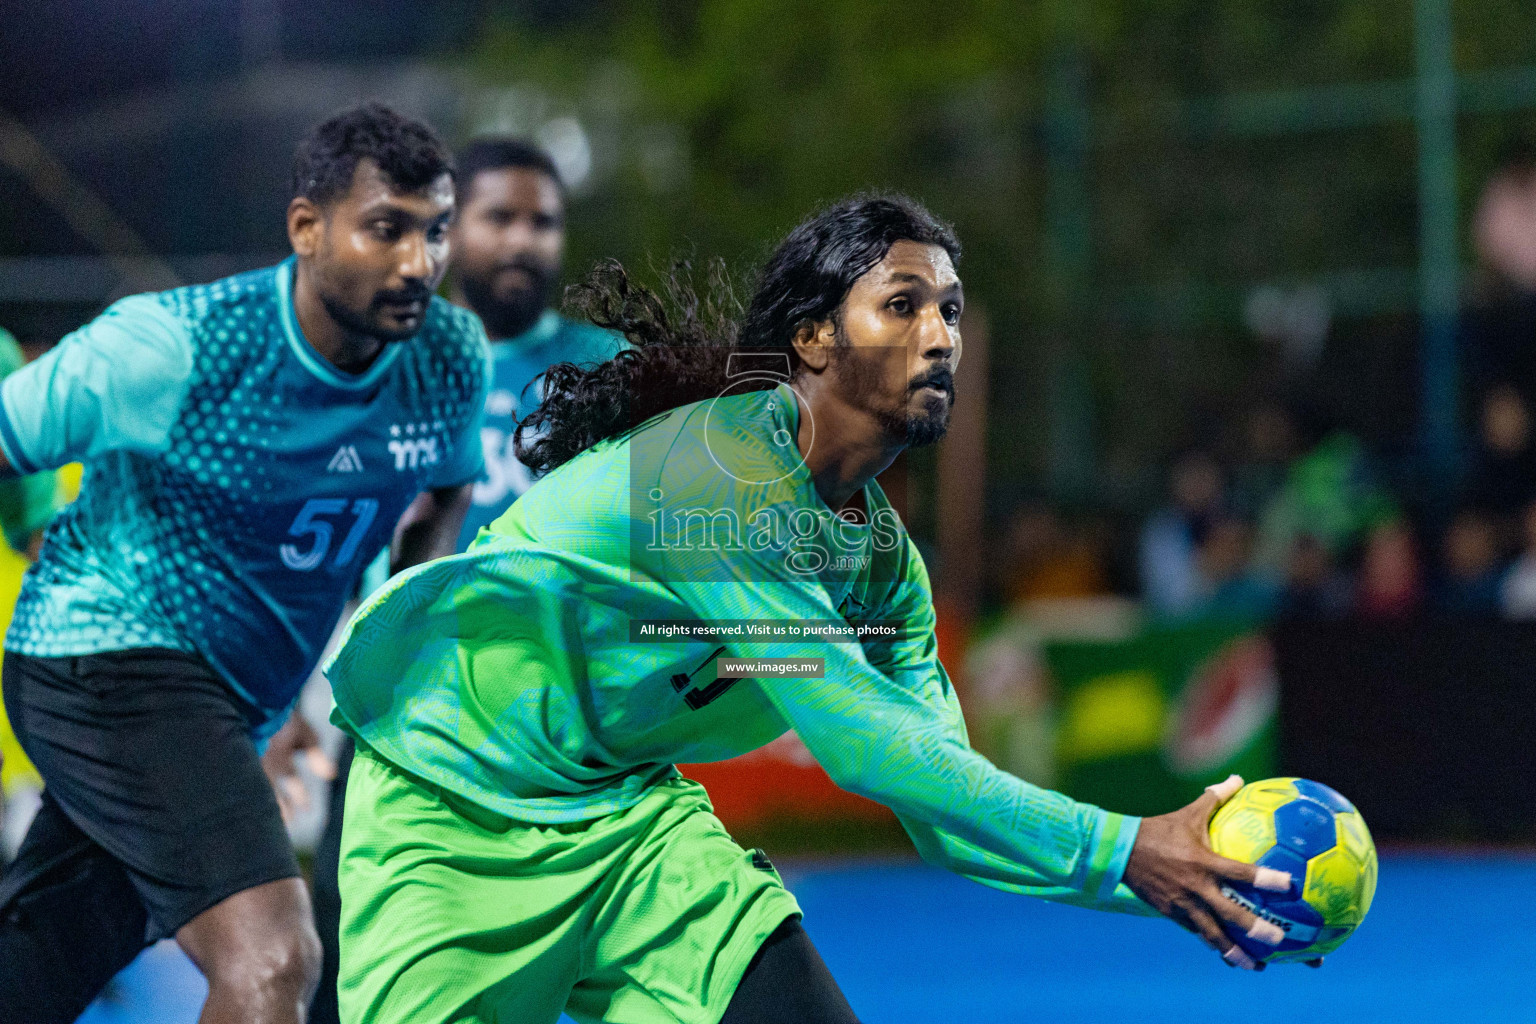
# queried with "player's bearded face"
point(507, 246)
point(898, 343)
point(383, 254)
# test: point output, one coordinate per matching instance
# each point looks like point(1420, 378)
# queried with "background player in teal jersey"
point(248, 444)
point(506, 246)
point(517, 840)
point(508, 241)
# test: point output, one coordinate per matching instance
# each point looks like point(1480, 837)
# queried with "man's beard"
point(370, 326)
point(929, 427)
point(510, 315)
point(914, 429)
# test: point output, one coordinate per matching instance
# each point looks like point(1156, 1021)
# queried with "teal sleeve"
point(116, 383)
point(466, 461)
point(893, 733)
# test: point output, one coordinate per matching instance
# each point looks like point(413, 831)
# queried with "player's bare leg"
point(259, 951)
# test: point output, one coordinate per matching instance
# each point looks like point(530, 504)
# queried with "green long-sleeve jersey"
point(534, 674)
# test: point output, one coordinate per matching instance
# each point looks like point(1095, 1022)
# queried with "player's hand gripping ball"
point(1309, 830)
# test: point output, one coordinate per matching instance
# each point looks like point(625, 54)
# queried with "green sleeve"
point(1110, 846)
point(892, 732)
point(26, 503)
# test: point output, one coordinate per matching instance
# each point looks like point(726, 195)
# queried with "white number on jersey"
point(504, 475)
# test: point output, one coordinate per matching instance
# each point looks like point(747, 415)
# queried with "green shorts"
point(453, 913)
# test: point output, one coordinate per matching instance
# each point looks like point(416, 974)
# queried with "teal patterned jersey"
point(538, 673)
point(516, 364)
point(235, 482)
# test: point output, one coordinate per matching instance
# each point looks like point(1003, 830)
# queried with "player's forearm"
point(941, 849)
point(1105, 851)
point(970, 815)
point(430, 527)
point(998, 825)
point(895, 734)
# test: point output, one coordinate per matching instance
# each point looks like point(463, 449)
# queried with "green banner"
point(1144, 724)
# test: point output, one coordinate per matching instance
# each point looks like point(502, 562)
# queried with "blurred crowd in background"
point(1279, 509)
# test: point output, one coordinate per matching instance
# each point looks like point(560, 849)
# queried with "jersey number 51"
point(312, 522)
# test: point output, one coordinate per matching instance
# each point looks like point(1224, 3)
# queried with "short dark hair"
point(409, 154)
point(489, 153)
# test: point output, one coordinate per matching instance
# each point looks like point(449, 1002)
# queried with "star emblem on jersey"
point(418, 447)
point(346, 460)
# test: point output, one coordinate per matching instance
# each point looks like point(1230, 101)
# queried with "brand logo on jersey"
point(414, 453)
point(346, 460)
point(413, 446)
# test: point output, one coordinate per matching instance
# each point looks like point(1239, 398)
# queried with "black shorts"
point(148, 754)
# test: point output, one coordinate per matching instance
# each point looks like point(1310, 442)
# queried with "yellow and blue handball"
point(1310, 831)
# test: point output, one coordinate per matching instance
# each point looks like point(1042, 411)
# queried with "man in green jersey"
point(517, 841)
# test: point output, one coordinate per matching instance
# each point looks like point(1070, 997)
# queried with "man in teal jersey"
point(707, 563)
point(506, 246)
point(248, 445)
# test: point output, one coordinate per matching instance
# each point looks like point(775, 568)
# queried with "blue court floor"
point(1450, 939)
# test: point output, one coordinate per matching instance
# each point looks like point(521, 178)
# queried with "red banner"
point(776, 782)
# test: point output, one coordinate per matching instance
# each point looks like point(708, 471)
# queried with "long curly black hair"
point(682, 342)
